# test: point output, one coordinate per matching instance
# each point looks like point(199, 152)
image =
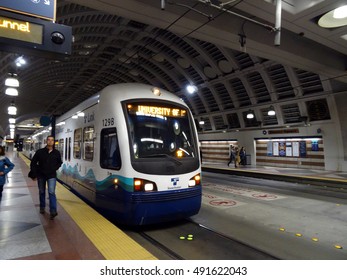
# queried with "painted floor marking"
point(243, 192)
point(219, 202)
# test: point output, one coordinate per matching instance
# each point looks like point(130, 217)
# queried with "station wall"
point(330, 154)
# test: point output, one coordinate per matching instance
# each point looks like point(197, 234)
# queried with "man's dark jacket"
point(45, 164)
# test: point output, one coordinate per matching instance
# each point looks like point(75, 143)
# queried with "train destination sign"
point(157, 111)
point(45, 9)
point(21, 30)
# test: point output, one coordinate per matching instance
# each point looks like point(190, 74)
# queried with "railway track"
point(206, 243)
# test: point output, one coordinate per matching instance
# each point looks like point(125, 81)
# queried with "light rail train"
point(133, 150)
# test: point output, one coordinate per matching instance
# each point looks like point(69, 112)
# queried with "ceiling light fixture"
point(12, 82)
point(250, 114)
point(334, 18)
point(191, 89)
point(340, 12)
point(11, 91)
point(271, 111)
point(12, 109)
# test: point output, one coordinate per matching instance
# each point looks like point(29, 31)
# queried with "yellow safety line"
point(107, 238)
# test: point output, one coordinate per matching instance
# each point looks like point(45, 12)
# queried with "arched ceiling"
point(136, 41)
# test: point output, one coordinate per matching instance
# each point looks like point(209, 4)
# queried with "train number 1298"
point(108, 122)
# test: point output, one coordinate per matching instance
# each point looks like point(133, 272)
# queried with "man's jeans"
point(51, 193)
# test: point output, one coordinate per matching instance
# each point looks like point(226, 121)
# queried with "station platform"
point(306, 176)
point(77, 233)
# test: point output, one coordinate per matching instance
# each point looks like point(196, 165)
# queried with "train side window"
point(66, 146)
point(69, 150)
point(109, 147)
point(61, 147)
point(77, 143)
point(88, 143)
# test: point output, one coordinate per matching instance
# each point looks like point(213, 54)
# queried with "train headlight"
point(115, 182)
point(144, 185)
point(194, 181)
point(179, 153)
point(149, 187)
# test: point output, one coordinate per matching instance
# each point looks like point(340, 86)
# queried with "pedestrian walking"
point(43, 167)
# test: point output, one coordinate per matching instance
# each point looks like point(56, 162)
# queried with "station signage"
point(21, 30)
point(45, 9)
point(34, 36)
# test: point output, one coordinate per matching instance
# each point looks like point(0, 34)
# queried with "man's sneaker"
point(53, 215)
point(42, 210)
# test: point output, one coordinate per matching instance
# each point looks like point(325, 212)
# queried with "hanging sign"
point(44, 9)
point(21, 30)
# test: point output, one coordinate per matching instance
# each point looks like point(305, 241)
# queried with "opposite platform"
point(297, 175)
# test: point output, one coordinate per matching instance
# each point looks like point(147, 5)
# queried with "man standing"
point(44, 165)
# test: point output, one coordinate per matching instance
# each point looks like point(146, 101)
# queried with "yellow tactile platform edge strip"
point(112, 243)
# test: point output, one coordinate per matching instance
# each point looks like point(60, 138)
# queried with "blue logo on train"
point(175, 180)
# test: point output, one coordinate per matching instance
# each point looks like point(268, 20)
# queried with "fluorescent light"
point(11, 91)
point(340, 12)
point(334, 18)
point(12, 120)
point(271, 111)
point(12, 110)
point(191, 89)
point(12, 82)
point(250, 114)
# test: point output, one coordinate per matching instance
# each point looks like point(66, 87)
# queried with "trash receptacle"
point(248, 160)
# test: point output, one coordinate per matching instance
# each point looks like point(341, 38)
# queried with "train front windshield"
point(161, 130)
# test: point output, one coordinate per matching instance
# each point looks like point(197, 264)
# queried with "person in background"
point(5, 166)
point(243, 156)
point(232, 155)
point(237, 157)
point(44, 165)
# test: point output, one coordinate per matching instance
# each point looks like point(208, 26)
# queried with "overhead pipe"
point(278, 23)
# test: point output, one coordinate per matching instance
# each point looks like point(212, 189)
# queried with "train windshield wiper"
point(164, 155)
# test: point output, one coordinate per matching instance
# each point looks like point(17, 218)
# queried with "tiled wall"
point(216, 151)
point(312, 160)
